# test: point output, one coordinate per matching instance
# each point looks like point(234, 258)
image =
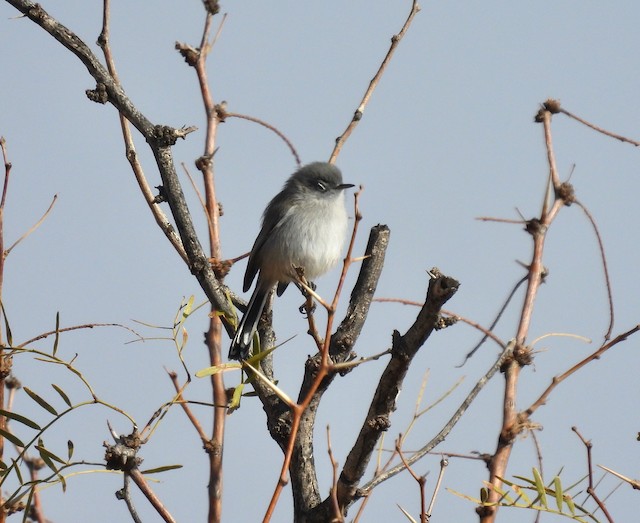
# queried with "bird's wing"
point(271, 214)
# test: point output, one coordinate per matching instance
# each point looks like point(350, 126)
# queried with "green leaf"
point(6, 325)
point(571, 505)
point(18, 472)
point(63, 395)
point(209, 371)
point(11, 437)
point(235, 398)
point(540, 487)
point(558, 488)
point(161, 469)
point(521, 494)
point(63, 483)
point(43, 450)
point(57, 338)
point(40, 401)
point(20, 419)
point(188, 307)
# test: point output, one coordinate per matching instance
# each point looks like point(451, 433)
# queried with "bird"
point(303, 231)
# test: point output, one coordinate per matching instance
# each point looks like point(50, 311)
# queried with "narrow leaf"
point(57, 338)
point(6, 325)
point(70, 449)
point(557, 484)
point(235, 397)
point(18, 472)
point(63, 395)
point(47, 460)
point(20, 419)
point(521, 494)
point(188, 307)
point(161, 469)
point(11, 437)
point(43, 451)
point(209, 371)
point(40, 401)
point(540, 487)
point(572, 506)
point(522, 478)
point(185, 338)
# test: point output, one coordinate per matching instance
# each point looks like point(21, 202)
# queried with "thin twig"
point(444, 463)
point(34, 226)
point(5, 187)
point(495, 321)
point(272, 128)
point(605, 268)
point(130, 148)
point(487, 332)
point(591, 489)
point(73, 328)
point(185, 407)
point(337, 513)
point(599, 129)
point(357, 116)
point(141, 482)
point(438, 438)
point(125, 494)
point(594, 356)
point(421, 480)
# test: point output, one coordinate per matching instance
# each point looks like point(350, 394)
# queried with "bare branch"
point(357, 116)
point(160, 139)
point(404, 349)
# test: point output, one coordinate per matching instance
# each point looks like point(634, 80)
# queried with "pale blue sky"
point(447, 137)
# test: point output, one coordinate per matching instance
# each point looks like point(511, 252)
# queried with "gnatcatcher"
point(303, 227)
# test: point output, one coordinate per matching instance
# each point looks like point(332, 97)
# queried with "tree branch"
point(404, 349)
point(160, 140)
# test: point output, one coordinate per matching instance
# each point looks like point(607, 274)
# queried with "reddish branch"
point(511, 426)
point(213, 338)
point(4, 361)
point(560, 194)
point(357, 115)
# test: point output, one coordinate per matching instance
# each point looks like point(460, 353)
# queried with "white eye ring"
point(321, 186)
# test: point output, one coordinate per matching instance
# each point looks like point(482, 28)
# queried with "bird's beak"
point(345, 186)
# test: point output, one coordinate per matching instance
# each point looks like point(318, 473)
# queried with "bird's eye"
point(321, 186)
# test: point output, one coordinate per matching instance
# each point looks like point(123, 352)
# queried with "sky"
point(447, 137)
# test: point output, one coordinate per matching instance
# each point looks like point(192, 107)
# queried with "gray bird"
point(303, 227)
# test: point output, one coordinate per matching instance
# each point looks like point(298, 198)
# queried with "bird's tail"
point(241, 344)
